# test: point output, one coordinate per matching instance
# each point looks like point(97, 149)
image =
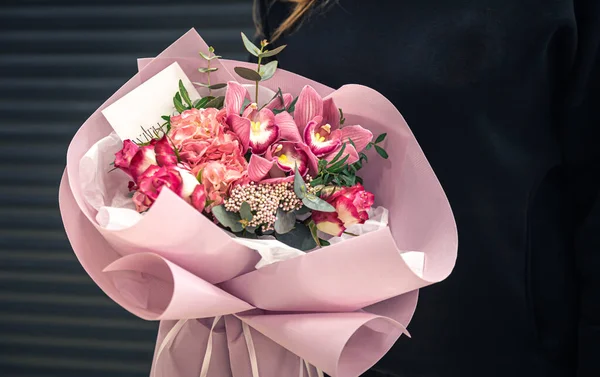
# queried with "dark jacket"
point(503, 96)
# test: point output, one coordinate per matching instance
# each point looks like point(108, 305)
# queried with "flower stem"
point(208, 74)
point(257, 71)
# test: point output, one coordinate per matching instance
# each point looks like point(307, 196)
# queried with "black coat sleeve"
point(582, 156)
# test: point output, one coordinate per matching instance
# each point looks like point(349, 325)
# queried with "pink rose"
point(124, 156)
point(134, 159)
point(351, 207)
point(199, 198)
point(203, 124)
point(152, 181)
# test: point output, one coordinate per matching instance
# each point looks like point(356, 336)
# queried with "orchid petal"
point(259, 167)
point(361, 137)
point(234, 97)
point(288, 130)
point(308, 106)
point(288, 155)
point(241, 127)
point(278, 180)
point(262, 136)
point(331, 114)
point(313, 161)
point(320, 138)
point(276, 102)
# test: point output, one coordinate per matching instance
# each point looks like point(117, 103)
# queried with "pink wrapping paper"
point(339, 308)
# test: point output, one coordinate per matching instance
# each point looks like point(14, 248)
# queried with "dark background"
point(59, 60)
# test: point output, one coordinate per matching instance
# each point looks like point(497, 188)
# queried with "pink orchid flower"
point(256, 129)
point(318, 121)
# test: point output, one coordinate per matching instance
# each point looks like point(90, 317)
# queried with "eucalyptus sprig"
point(262, 72)
point(209, 57)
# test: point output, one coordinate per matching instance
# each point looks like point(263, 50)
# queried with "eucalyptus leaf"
point(247, 73)
point(251, 47)
point(216, 103)
point(312, 227)
point(184, 94)
point(272, 52)
point(285, 221)
point(228, 219)
point(217, 86)
point(300, 238)
point(268, 70)
point(206, 57)
point(246, 212)
point(299, 185)
point(317, 204)
point(166, 117)
point(381, 151)
point(251, 229)
point(380, 138)
point(205, 70)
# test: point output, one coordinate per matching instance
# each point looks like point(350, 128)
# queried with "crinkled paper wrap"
point(345, 305)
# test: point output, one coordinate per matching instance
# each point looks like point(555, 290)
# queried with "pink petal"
point(349, 150)
point(241, 127)
point(278, 180)
point(265, 116)
point(321, 148)
point(347, 212)
point(291, 155)
point(276, 102)
point(331, 114)
point(143, 159)
point(288, 130)
point(262, 139)
point(259, 167)
point(361, 137)
point(165, 155)
point(313, 161)
point(328, 222)
point(308, 106)
point(234, 97)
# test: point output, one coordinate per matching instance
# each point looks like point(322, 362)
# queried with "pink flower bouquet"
point(275, 226)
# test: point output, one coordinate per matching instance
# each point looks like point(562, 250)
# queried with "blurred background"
point(59, 60)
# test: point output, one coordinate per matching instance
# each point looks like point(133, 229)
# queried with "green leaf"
point(299, 185)
point(251, 47)
point(273, 52)
point(338, 166)
point(178, 105)
point(201, 103)
point(292, 105)
point(166, 117)
point(206, 70)
point(381, 151)
point(300, 238)
point(216, 103)
point(380, 138)
point(368, 146)
point(268, 70)
point(317, 181)
point(338, 155)
point(342, 119)
point(359, 179)
point(228, 219)
point(199, 176)
point(184, 94)
point(285, 221)
point(313, 231)
point(324, 242)
point(247, 73)
point(317, 204)
point(302, 211)
point(246, 212)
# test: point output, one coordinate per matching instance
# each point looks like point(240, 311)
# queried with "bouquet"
point(275, 226)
